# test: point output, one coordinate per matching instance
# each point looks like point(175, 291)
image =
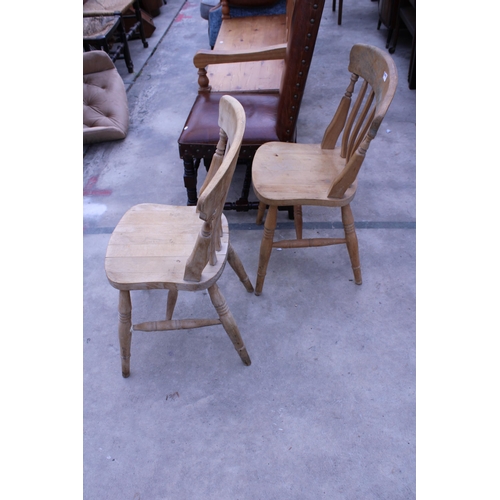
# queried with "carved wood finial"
point(222, 145)
point(352, 83)
point(203, 81)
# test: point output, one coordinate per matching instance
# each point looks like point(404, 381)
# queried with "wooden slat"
point(179, 324)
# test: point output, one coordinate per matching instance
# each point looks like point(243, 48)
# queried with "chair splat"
point(338, 122)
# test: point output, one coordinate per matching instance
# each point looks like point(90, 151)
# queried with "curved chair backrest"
point(214, 191)
point(360, 124)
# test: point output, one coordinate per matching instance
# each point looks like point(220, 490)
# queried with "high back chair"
point(181, 248)
point(270, 116)
point(325, 174)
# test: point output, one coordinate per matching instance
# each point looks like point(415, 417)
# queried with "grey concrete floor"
point(327, 408)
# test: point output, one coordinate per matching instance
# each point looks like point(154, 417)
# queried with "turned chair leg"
point(171, 301)
point(266, 247)
point(228, 322)
point(352, 242)
point(125, 330)
point(235, 262)
point(260, 213)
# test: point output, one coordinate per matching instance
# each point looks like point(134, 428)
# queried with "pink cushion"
point(105, 105)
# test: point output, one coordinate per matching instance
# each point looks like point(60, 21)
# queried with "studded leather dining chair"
point(270, 116)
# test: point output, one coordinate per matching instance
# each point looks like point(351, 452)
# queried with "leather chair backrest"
point(304, 28)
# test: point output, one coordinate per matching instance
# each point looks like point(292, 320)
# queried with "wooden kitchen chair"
point(181, 248)
point(325, 174)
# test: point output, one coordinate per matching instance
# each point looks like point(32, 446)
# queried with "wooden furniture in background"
point(226, 9)
point(407, 15)
point(325, 174)
point(94, 8)
point(147, 21)
point(271, 116)
point(245, 33)
point(388, 16)
point(181, 248)
point(341, 4)
point(249, 34)
point(152, 7)
point(107, 33)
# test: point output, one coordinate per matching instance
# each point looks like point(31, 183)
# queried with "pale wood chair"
point(181, 248)
point(325, 174)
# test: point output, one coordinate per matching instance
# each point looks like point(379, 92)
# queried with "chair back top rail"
point(359, 125)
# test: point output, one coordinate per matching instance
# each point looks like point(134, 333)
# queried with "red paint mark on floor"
point(88, 189)
point(183, 16)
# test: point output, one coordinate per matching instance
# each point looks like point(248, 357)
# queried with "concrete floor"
point(327, 408)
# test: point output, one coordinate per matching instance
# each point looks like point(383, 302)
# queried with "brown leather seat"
point(105, 105)
point(260, 109)
point(270, 116)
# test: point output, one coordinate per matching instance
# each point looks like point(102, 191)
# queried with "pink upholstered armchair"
point(105, 105)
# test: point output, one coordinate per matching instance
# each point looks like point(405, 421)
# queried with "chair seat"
point(260, 111)
point(96, 27)
point(297, 174)
point(151, 244)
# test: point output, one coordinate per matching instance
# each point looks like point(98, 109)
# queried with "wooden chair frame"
point(181, 248)
point(325, 174)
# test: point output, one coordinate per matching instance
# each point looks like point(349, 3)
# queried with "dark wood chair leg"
point(138, 15)
point(125, 47)
point(412, 78)
point(191, 178)
point(242, 203)
point(207, 160)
